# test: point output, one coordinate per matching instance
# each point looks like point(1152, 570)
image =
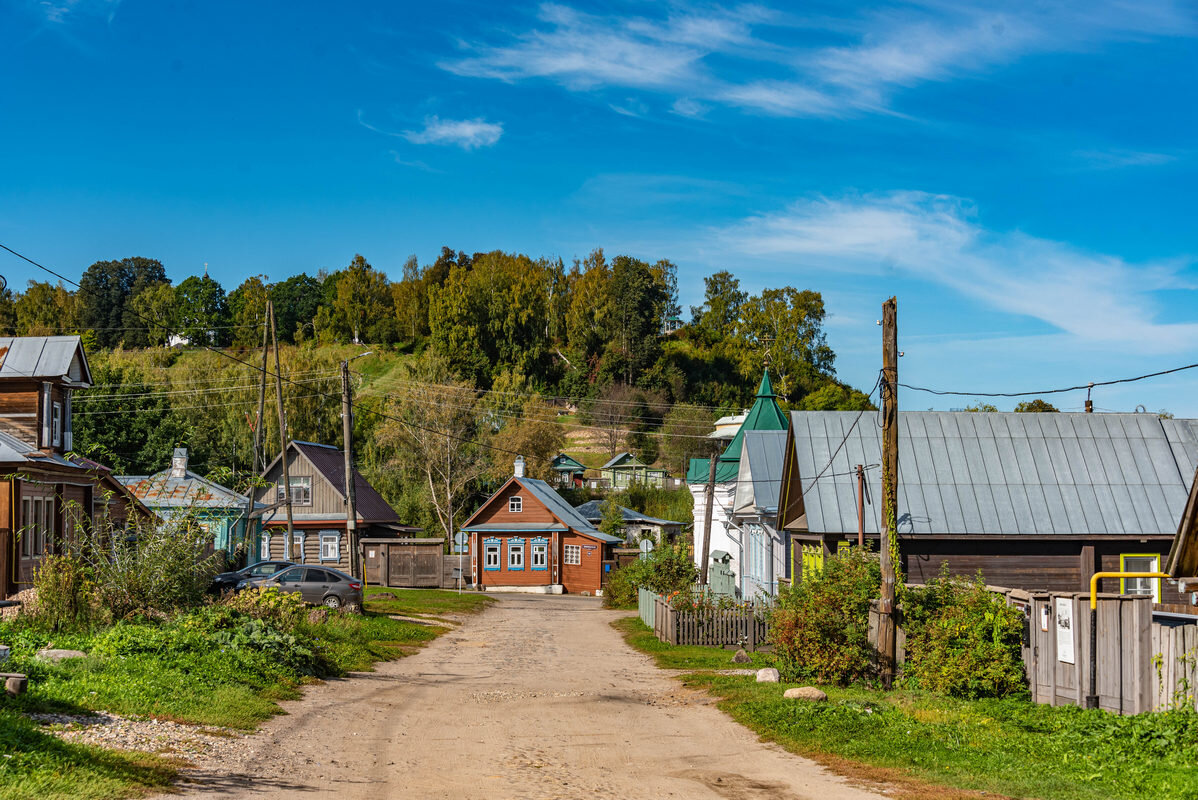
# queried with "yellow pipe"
point(1097, 576)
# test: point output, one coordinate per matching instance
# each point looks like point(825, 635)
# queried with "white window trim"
point(335, 538)
point(305, 498)
point(573, 555)
point(264, 548)
point(1154, 582)
point(491, 547)
point(297, 546)
point(538, 560)
point(515, 504)
point(514, 547)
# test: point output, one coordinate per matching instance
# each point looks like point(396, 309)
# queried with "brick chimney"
point(519, 466)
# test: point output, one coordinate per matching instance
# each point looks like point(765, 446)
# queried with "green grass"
point(34, 763)
point(1010, 747)
point(689, 657)
point(425, 602)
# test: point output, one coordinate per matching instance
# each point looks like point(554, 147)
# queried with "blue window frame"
point(515, 555)
point(539, 556)
point(491, 555)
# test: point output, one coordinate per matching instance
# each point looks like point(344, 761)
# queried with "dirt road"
point(538, 697)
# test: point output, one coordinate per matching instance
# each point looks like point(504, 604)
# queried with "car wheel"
point(333, 601)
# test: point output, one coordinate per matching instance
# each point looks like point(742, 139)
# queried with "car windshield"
point(290, 576)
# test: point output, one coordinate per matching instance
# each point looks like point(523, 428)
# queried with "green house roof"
point(563, 463)
point(765, 415)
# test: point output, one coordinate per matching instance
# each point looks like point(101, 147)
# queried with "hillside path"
point(537, 697)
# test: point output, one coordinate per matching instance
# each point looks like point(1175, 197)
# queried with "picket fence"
point(747, 626)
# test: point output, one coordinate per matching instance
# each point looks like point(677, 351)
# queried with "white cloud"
point(1117, 159)
point(468, 134)
point(62, 11)
point(782, 66)
point(1093, 296)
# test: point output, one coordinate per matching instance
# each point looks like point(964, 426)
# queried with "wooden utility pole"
point(709, 503)
point(259, 455)
point(889, 385)
point(274, 335)
point(351, 503)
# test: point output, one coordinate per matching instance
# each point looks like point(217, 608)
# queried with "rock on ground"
point(805, 693)
point(54, 656)
point(741, 657)
point(768, 675)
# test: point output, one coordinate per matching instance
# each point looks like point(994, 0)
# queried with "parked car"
point(316, 585)
point(228, 581)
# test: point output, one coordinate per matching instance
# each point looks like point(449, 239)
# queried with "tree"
point(296, 301)
point(410, 301)
point(46, 309)
point(159, 303)
point(105, 291)
point(612, 522)
point(833, 396)
point(247, 306)
point(719, 315)
point(1034, 406)
point(982, 408)
point(633, 325)
point(203, 311)
point(534, 434)
point(363, 302)
point(8, 312)
point(585, 319)
point(789, 325)
point(611, 414)
point(666, 274)
point(684, 436)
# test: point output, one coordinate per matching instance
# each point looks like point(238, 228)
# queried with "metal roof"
point(330, 462)
point(1002, 473)
point(161, 490)
point(758, 483)
point(40, 357)
point(563, 510)
point(765, 415)
point(593, 511)
point(516, 527)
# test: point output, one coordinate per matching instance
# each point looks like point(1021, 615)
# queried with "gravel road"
point(537, 697)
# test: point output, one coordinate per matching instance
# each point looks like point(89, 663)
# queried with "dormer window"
point(56, 425)
point(515, 504)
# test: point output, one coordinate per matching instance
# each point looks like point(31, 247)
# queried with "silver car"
point(316, 585)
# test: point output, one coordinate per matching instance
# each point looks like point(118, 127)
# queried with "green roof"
point(765, 415)
point(563, 463)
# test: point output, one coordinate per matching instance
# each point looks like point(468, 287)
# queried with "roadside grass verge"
point(926, 745)
point(424, 602)
point(688, 657)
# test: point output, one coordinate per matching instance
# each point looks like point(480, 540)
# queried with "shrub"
point(820, 628)
point(64, 594)
point(667, 570)
point(283, 609)
point(963, 640)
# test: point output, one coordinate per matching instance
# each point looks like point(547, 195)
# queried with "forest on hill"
point(496, 353)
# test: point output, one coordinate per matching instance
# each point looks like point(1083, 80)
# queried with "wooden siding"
point(325, 498)
point(506, 577)
point(587, 576)
point(1030, 565)
point(19, 403)
point(1108, 557)
point(311, 546)
point(495, 510)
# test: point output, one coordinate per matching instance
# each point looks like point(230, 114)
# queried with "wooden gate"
point(404, 563)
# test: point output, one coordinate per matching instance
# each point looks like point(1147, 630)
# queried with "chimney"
point(519, 466)
point(179, 463)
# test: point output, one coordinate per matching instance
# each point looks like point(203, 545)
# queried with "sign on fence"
point(1065, 630)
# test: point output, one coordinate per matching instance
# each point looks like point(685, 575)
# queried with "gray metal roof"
point(592, 510)
point(758, 482)
point(1002, 473)
point(563, 510)
point(515, 527)
point(44, 357)
point(161, 490)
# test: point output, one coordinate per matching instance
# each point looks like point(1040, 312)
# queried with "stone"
point(805, 693)
point(768, 675)
point(16, 685)
point(54, 656)
point(742, 657)
point(318, 616)
point(4, 653)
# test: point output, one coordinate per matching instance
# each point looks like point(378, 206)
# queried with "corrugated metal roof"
point(758, 483)
point(593, 512)
point(44, 357)
point(14, 451)
point(513, 527)
point(563, 510)
point(160, 490)
point(1003, 473)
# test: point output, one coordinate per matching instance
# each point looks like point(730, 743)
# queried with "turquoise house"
point(224, 513)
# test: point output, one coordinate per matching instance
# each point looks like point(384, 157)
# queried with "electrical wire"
point(1077, 388)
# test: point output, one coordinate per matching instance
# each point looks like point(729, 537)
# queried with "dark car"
point(316, 585)
point(228, 581)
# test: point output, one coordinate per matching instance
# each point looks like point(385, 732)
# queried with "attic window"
point(515, 504)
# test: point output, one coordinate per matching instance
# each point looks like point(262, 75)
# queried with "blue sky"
point(1020, 176)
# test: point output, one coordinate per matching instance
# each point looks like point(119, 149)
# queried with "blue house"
point(177, 491)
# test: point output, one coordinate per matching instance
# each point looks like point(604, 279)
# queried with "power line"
point(1050, 391)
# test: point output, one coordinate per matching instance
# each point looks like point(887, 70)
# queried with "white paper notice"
point(1065, 630)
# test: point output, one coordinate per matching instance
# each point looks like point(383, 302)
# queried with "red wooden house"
point(525, 537)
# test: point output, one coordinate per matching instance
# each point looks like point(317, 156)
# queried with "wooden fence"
point(1174, 664)
point(747, 627)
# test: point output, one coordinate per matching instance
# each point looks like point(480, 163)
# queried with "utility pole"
point(351, 504)
point(274, 335)
point(889, 384)
point(709, 503)
point(259, 456)
point(860, 506)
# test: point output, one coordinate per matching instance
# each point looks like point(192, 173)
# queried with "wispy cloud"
point(774, 64)
point(62, 11)
point(468, 134)
point(1118, 159)
point(1093, 296)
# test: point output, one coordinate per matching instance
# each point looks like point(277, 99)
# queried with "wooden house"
point(1033, 501)
point(46, 491)
point(764, 551)
point(177, 491)
point(568, 472)
point(637, 526)
point(525, 537)
point(627, 470)
point(318, 507)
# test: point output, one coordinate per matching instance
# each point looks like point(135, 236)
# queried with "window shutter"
point(46, 411)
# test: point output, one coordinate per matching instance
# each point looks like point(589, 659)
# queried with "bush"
point(963, 640)
point(667, 570)
point(283, 609)
point(64, 594)
point(820, 628)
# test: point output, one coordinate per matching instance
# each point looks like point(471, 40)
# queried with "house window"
point(515, 555)
point(573, 554)
point(491, 554)
point(539, 555)
point(297, 546)
point(1140, 562)
point(26, 527)
point(301, 491)
point(515, 504)
point(56, 425)
point(264, 548)
point(330, 546)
